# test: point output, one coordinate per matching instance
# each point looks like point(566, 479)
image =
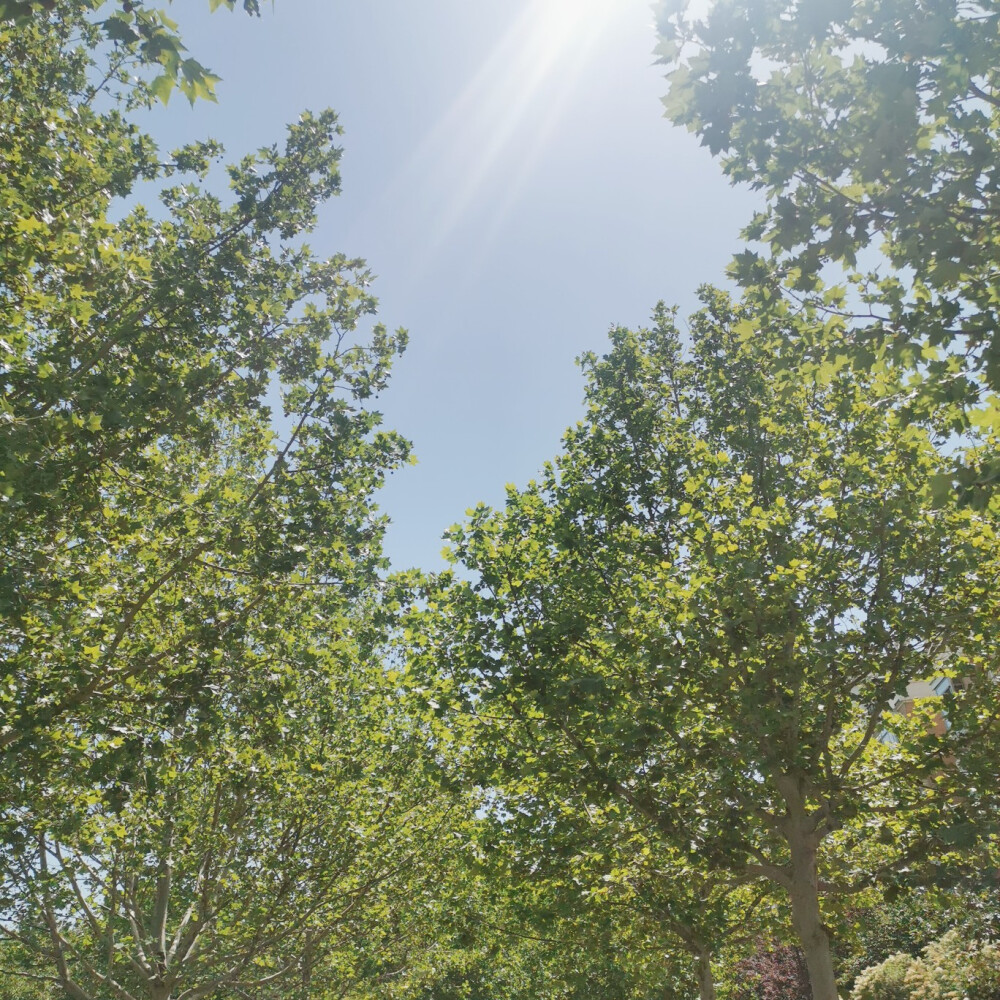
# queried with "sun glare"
point(541, 57)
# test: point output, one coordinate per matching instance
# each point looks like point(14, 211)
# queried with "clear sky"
point(509, 177)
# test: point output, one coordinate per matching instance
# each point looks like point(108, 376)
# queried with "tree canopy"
point(697, 620)
point(158, 533)
point(720, 679)
point(290, 851)
point(147, 36)
point(209, 783)
point(873, 130)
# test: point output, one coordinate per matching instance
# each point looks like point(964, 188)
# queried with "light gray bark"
point(803, 832)
point(807, 918)
point(706, 981)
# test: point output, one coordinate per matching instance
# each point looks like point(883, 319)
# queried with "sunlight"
point(542, 56)
point(568, 36)
point(551, 38)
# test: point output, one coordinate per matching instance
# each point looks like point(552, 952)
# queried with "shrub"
point(885, 981)
point(778, 973)
point(911, 921)
point(955, 969)
point(952, 968)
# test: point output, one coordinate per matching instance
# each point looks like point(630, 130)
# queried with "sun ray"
point(541, 56)
point(550, 37)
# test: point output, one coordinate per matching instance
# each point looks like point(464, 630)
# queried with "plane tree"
point(206, 786)
point(188, 450)
point(873, 130)
point(294, 852)
point(700, 614)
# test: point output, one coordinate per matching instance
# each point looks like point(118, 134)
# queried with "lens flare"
point(541, 57)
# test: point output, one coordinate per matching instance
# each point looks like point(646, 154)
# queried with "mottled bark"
point(706, 982)
point(807, 918)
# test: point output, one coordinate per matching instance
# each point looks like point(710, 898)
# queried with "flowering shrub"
point(952, 968)
point(955, 969)
point(906, 924)
point(885, 981)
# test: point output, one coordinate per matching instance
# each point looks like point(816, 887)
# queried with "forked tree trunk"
point(706, 982)
point(807, 919)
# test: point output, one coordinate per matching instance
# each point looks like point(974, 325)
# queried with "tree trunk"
point(706, 983)
point(807, 919)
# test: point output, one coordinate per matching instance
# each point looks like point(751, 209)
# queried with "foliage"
point(952, 967)
point(13, 987)
point(697, 618)
point(886, 981)
point(147, 37)
point(158, 538)
point(772, 973)
point(869, 126)
point(289, 851)
point(210, 784)
point(606, 913)
point(911, 920)
point(502, 939)
point(521, 966)
point(955, 966)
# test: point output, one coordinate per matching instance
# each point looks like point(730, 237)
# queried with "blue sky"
point(510, 179)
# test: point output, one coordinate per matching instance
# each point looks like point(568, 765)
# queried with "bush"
point(911, 921)
point(776, 974)
point(886, 981)
point(953, 968)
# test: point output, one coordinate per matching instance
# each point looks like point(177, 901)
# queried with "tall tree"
point(158, 536)
point(208, 785)
point(701, 612)
point(869, 126)
point(289, 851)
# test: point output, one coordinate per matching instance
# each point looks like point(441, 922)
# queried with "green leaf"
point(162, 86)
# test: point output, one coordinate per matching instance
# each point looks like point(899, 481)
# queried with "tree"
point(869, 126)
point(158, 536)
point(290, 854)
point(210, 786)
point(147, 36)
point(701, 612)
point(585, 867)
